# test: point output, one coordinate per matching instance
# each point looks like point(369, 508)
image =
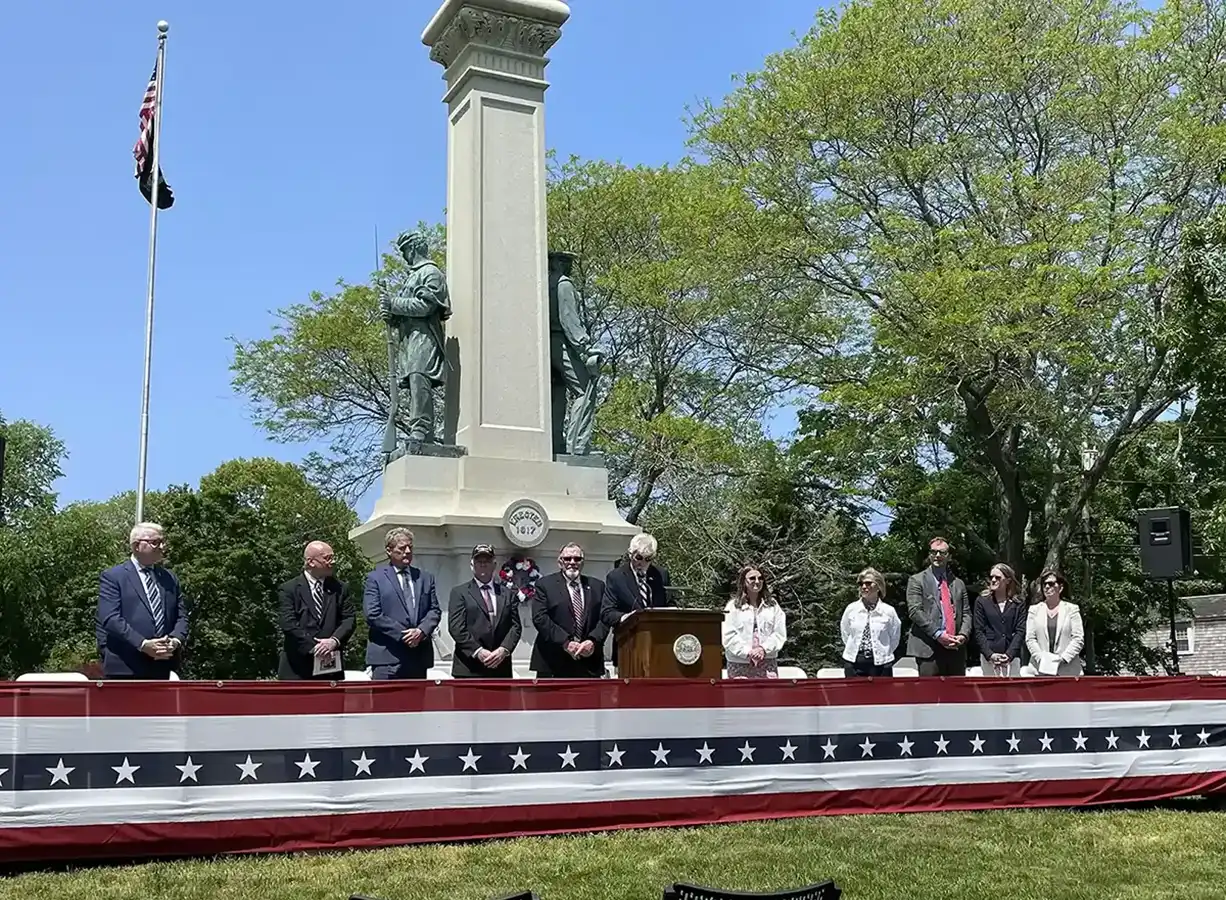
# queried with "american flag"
point(143, 151)
point(148, 769)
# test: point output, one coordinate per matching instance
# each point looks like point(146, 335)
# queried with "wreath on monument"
point(520, 574)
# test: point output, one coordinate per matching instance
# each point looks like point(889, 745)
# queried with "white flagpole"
point(163, 27)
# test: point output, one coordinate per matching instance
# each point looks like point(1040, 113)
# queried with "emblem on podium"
point(688, 649)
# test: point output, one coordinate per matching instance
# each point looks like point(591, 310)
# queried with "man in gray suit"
point(940, 615)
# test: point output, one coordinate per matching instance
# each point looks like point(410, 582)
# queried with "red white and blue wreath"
point(520, 574)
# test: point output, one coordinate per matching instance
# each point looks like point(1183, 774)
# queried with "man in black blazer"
point(317, 617)
point(639, 585)
point(566, 612)
point(483, 620)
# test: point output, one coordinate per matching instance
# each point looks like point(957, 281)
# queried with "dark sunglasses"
point(996, 578)
point(572, 559)
point(868, 584)
point(1048, 584)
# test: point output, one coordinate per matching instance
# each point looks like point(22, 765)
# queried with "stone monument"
point(510, 489)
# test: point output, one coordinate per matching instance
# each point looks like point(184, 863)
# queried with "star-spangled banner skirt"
point(133, 769)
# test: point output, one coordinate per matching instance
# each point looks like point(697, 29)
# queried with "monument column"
point(493, 54)
point(504, 486)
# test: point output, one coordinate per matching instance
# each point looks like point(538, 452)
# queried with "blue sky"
point(290, 132)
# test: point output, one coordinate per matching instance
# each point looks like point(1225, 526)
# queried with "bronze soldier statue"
point(574, 361)
point(416, 315)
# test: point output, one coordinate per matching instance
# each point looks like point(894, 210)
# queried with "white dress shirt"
point(884, 630)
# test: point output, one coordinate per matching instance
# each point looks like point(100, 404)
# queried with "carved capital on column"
point(495, 30)
point(526, 27)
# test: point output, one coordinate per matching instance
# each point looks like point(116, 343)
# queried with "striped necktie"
point(317, 595)
point(155, 600)
point(644, 592)
point(576, 606)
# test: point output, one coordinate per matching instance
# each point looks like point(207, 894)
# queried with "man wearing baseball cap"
point(483, 620)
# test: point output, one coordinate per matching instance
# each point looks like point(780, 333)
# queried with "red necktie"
point(947, 609)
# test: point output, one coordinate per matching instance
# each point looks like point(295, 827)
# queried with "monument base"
point(451, 504)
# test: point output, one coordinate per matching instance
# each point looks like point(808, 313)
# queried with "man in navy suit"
point(401, 607)
point(142, 614)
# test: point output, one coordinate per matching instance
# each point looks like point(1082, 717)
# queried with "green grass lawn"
point(1044, 855)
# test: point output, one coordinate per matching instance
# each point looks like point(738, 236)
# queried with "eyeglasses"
point(572, 559)
point(641, 557)
point(154, 542)
point(1050, 584)
point(935, 552)
point(995, 578)
point(868, 584)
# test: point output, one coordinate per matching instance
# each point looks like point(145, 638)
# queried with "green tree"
point(992, 196)
point(807, 540)
point(668, 259)
point(237, 538)
point(33, 456)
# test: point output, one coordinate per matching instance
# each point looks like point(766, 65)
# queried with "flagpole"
point(163, 28)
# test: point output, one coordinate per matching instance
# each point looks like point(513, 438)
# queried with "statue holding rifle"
point(415, 316)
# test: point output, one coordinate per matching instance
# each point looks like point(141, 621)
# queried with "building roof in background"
point(1207, 606)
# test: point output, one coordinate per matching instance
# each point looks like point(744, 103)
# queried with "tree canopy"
point(993, 197)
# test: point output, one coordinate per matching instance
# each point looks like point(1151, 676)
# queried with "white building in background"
point(1200, 637)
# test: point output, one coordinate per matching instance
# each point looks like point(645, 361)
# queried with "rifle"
point(389, 433)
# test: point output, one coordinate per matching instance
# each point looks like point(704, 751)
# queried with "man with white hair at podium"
point(638, 584)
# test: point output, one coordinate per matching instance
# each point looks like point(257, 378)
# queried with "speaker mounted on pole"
point(1165, 536)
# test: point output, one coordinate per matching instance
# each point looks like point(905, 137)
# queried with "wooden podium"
point(650, 642)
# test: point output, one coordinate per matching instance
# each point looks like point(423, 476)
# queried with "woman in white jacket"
point(1055, 635)
point(754, 628)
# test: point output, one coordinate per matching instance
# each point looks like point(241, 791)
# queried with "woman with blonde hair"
point(755, 629)
point(1000, 623)
point(870, 629)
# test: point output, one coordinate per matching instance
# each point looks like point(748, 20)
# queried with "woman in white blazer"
point(1054, 633)
point(754, 628)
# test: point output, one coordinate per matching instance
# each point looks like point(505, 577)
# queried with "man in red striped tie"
point(566, 614)
point(483, 620)
point(940, 615)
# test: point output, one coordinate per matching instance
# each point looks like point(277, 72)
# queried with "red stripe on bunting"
point(367, 830)
point(262, 698)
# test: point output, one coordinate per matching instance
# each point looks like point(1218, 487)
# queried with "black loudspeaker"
point(1166, 542)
